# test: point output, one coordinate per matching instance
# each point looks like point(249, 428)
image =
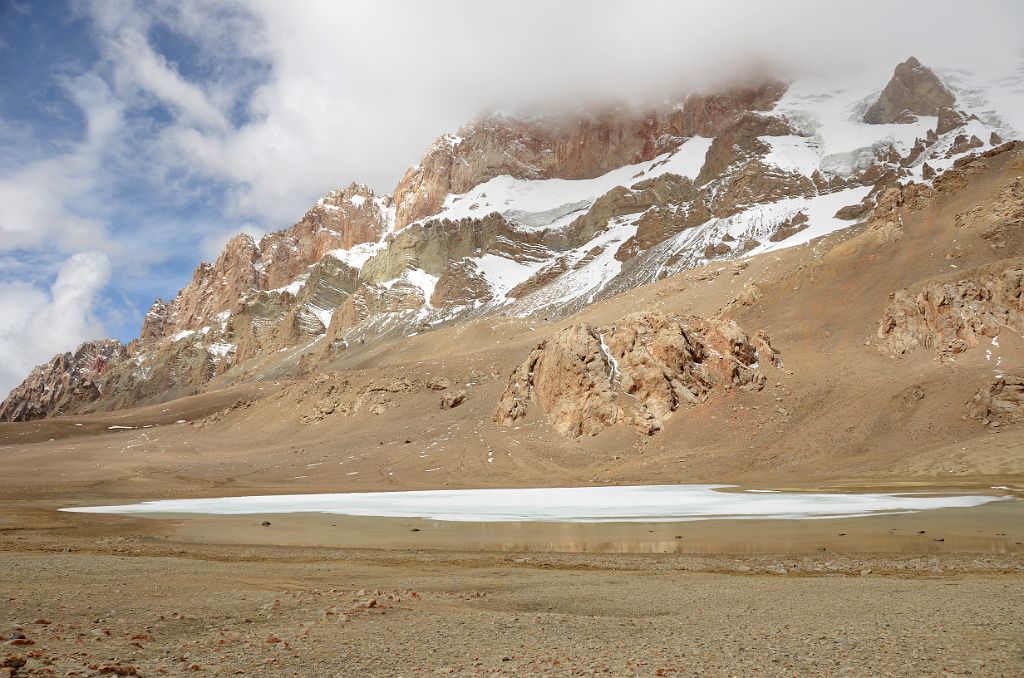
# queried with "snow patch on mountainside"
point(324, 315)
point(793, 153)
point(833, 117)
point(560, 199)
point(820, 212)
point(935, 156)
point(590, 268)
point(295, 286)
point(358, 255)
point(503, 274)
point(418, 278)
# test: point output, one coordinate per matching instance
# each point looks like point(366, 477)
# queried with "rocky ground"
point(129, 606)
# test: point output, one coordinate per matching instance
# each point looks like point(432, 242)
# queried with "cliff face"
point(65, 384)
point(342, 219)
point(538, 217)
point(565, 147)
point(913, 90)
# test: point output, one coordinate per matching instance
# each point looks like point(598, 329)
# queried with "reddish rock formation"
point(913, 89)
point(153, 325)
point(565, 147)
point(340, 220)
point(952, 317)
point(636, 372)
point(460, 284)
point(950, 119)
point(68, 381)
point(214, 288)
point(963, 143)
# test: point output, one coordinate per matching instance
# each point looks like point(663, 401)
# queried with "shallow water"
point(638, 503)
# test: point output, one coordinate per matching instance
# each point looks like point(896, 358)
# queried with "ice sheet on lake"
point(577, 504)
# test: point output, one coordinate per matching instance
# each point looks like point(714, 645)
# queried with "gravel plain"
point(107, 599)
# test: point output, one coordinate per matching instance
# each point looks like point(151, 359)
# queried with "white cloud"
point(152, 73)
point(41, 200)
point(356, 90)
point(48, 231)
point(40, 323)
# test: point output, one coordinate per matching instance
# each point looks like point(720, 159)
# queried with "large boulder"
point(1002, 400)
point(636, 372)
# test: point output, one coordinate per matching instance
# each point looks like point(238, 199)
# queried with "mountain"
point(538, 218)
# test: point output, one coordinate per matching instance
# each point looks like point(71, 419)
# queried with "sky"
point(137, 137)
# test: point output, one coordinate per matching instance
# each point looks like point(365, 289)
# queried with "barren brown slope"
point(839, 407)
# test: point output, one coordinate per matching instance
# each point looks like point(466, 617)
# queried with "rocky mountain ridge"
point(534, 217)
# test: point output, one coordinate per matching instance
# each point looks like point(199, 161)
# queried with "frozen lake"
point(637, 503)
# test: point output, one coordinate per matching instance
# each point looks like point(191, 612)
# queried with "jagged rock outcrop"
point(67, 382)
point(952, 317)
point(1000, 401)
point(342, 219)
point(635, 372)
point(564, 147)
point(177, 366)
point(639, 198)
point(154, 323)
point(461, 284)
point(950, 119)
point(790, 227)
point(214, 288)
point(963, 144)
point(887, 218)
point(260, 321)
point(913, 90)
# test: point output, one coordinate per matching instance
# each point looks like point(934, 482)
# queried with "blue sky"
point(101, 210)
point(137, 137)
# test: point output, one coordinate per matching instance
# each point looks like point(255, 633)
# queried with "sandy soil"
point(243, 611)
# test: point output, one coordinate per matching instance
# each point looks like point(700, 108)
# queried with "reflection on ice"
point(578, 504)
